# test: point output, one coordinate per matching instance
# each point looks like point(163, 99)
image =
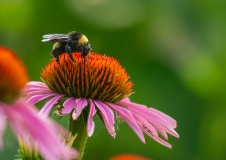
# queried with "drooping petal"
point(151, 127)
point(148, 126)
point(108, 116)
point(2, 126)
point(152, 118)
point(167, 118)
point(163, 133)
point(69, 105)
point(25, 122)
point(156, 138)
point(90, 123)
point(81, 103)
point(38, 98)
point(44, 112)
point(128, 117)
point(151, 131)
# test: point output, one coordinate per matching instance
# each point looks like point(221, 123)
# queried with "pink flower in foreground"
point(22, 116)
point(99, 86)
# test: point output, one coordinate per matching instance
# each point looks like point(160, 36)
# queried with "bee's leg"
point(69, 52)
point(81, 50)
point(88, 63)
point(55, 55)
point(90, 54)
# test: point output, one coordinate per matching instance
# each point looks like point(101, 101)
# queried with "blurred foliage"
point(173, 50)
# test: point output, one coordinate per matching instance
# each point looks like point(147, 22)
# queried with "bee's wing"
point(55, 38)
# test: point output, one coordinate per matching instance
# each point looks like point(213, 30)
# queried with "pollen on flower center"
point(13, 75)
point(97, 77)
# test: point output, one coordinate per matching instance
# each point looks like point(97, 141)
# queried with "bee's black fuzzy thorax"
point(74, 35)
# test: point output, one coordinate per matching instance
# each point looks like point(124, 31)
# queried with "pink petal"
point(148, 126)
point(128, 117)
point(24, 121)
point(108, 116)
point(156, 138)
point(167, 118)
point(152, 118)
point(68, 101)
point(36, 84)
point(38, 98)
point(40, 92)
point(69, 105)
point(81, 103)
point(44, 112)
point(73, 153)
point(32, 89)
point(90, 123)
point(2, 126)
point(125, 100)
point(163, 133)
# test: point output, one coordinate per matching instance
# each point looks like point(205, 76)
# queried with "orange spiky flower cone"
point(13, 75)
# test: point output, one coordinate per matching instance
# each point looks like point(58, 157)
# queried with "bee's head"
point(86, 47)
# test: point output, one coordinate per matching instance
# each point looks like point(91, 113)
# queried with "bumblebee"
point(72, 42)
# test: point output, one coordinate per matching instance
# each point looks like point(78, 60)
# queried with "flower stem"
point(79, 127)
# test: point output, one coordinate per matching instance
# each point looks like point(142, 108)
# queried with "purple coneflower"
point(99, 86)
point(22, 116)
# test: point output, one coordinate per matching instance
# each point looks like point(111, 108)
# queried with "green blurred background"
point(174, 52)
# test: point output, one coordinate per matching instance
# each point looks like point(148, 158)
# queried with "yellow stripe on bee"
point(56, 45)
point(82, 40)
